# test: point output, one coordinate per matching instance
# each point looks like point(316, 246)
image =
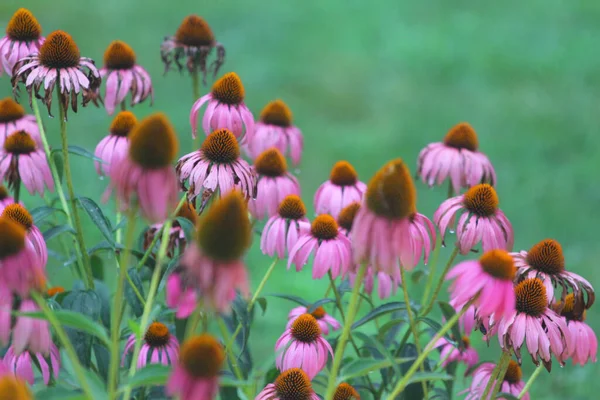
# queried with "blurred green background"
point(369, 82)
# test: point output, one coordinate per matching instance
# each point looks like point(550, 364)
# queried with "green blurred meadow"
point(372, 81)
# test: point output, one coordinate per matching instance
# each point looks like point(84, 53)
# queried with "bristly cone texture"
point(119, 55)
point(229, 89)
point(194, 31)
point(23, 26)
point(224, 231)
point(391, 192)
point(276, 113)
point(10, 110)
point(202, 356)
point(153, 143)
point(123, 123)
point(59, 51)
point(462, 136)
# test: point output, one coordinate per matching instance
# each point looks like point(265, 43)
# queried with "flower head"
point(114, 148)
point(58, 64)
point(123, 75)
point(159, 346)
point(463, 354)
point(481, 221)
point(23, 37)
point(282, 230)
point(13, 118)
point(19, 214)
point(585, 342)
point(342, 189)
point(177, 239)
point(226, 109)
point(345, 392)
point(346, 216)
point(291, 384)
point(31, 334)
point(323, 319)
point(456, 158)
point(302, 346)
point(511, 383)
point(22, 364)
point(14, 388)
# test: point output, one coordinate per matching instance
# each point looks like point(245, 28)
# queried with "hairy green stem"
point(531, 380)
point(440, 283)
point(496, 380)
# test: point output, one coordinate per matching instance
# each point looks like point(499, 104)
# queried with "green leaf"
point(389, 325)
point(429, 376)
point(134, 326)
point(58, 393)
point(188, 227)
point(78, 151)
point(104, 296)
point(97, 267)
point(97, 217)
point(449, 312)
point(132, 299)
point(88, 303)
point(151, 374)
point(60, 165)
point(378, 347)
point(417, 276)
point(379, 311)
point(361, 367)
point(229, 381)
point(57, 230)
point(318, 304)
point(295, 299)
point(39, 214)
point(262, 302)
point(97, 388)
point(102, 359)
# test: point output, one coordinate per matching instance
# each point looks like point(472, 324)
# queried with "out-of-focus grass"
point(374, 81)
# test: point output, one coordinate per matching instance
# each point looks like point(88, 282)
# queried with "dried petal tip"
point(157, 334)
point(153, 143)
point(276, 113)
point(19, 142)
point(270, 163)
point(3, 192)
point(12, 238)
point(123, 123)
point(324, 227)
point(59, 51)
point(462, 136)
point(293, 384)
point(345, 392)
point(343, 174)
point(499, 264)
point(531, 297)
point(53, 291)
point(10, 110)
point(346, 216)
point(292, 207)
point(229, 89)
point(23, 26)
point(221, 147)
point(481, 200)
point(119, 55)
point(224, 231)
point(513, 374)
point(547, 256)
point(391, 192)
point(202, 356)
point(14, 388)
point(194, 31)
point(17, 213)
point(305, 328)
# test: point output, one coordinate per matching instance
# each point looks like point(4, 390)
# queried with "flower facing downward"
point(332, 249)
point(481, 221)
point(301, 346)
point(14, 388)
point(226, 109)
point(177, 239)
point(146, 172)
point(113, 148)
point(22, 161)
point(196, 375)
point(17, 213)
point(456, 158)
point(585, 342)
point(13, 118)
point(23, 37)
point(58, 64)
point(22, 364)
point(274, 183)
point(291, 384)
point(342, 189)
point(275, 129)
point(511, 383)
point(194, 41)
point(545, 260)
point(323, 319)
point(282, 230)
point(216, 168)
point(123, 75)
point(463, 354)
point(389, 211)
point(159, 346)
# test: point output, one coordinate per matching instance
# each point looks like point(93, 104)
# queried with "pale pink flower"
point(466, 322)
point(511, 383)
point(274, 183)
point(450, 353)
point(13, 118)
point(457, 158)
point(23, 37)
point(113, 149)
point(386, 284)
point(332, 249)
point(323, 319)
point(389, 211)
point(226, 109)
point(22, 161)
point(196, 375)
point(282, 231)
point(30, 333)
point(275, 129)
point(34, 237)
point(216, 168)
point(22, 364)
point(123, 75)
point(159, 347)
point(181, 294)
point(342, 189)
point(58, 64)
point(177, 239)
point(545, 260)
point(481, 221)
point(302, 346)
point(146, 175)
point(585, 342)
point(293, 383)
point(6, 304)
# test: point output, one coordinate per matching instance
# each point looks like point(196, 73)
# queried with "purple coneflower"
point(275, 129)
point(282, 231)
point(15, 388)
point(323, 319)
point(481, 221)
point(177, 239)
point(342, 189)
point(511, 383)
point(23, 37)
point(585, 342)
point(30, 333)
point(456, 158)
point(13, 118)
point(386, 284)
point(302, 346)
point(5, 198)
point(273, 184)
point(160, 347)
point(122, 76)
point(293, 383)
point(451, 353)
point(146, 174)
point(114, 148)
point(58, 64)
point(196, 374)
point(345, 392)
point(226, 109)
point(17, 213)
point(22, 364)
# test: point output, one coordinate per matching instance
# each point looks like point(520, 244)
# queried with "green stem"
point(62, 336)
point(428, 349)
point(135, 289)
point(193, 321)
point(531, 380)
point(77, 222)
point(118, 219)
point(341, 345)
point(196, 84)
point(229, 350)
point(123, 106)
point(440, 283)
point(17, 190)
point(497, 379)
point(432, 267)
point(450, 190)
